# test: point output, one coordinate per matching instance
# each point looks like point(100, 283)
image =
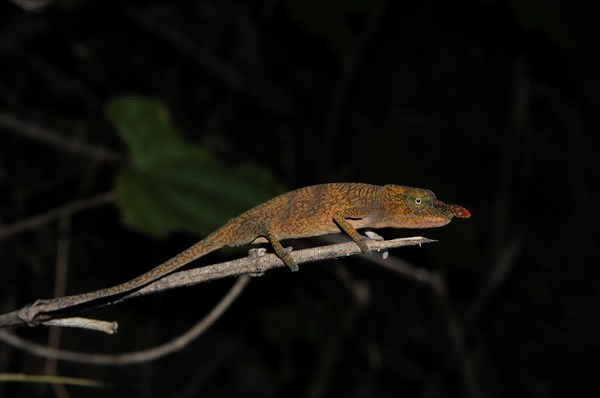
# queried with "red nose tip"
point(460, 211)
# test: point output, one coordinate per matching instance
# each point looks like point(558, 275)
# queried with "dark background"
point(492, 105)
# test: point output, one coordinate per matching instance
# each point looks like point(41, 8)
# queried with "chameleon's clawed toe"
point(39, 302)
point(289, 261)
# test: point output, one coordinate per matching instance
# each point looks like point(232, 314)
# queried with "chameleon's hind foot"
point(283, 254)
point(258, 255)
point(288, 260)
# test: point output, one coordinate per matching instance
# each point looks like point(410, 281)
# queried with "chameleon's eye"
point(418, 201)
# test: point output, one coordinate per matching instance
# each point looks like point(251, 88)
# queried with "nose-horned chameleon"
point(306, 212)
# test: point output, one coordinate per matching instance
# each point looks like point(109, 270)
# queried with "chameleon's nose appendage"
point(459, 211)
point(450, 211)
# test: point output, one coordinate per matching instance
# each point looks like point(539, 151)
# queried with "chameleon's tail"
point(212, 242)
point(209, 244)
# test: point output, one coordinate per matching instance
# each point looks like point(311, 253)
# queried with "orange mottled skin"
point(311, 211)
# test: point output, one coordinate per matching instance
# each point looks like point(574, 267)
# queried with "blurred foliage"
point(174, 185)
point(332, 21)
point(545, 17)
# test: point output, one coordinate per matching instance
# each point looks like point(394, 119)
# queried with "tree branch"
point(130, 358)
point(42, 311)
point(52, 138)
point(454, 330)
point(41, 219)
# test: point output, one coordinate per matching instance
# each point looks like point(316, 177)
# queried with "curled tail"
point(212, 242)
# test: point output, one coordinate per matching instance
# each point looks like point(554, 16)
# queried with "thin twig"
point(84, 323)
point(347, 74)
point(346, 321)
point(44, 310)
point(455, 334)
point(25, 378)
point(32, 5)
point(69, 209)
point(500, 271)
point(454, 331)
point(52, 138)
point(212, 65)
point(60, 287)
point(139, 356)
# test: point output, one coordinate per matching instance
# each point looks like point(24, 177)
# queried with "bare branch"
point(345, 324)
point(84, 323)
point(48, 379)
point(52, 138)
point(454, 329)
point(44, 310)
point(32, 5)
point(350, 66)
point(138, 356)
point(41, 219)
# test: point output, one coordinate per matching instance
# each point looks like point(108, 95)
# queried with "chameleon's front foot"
point(374, 236)
point(363, 244)
point(342, 222)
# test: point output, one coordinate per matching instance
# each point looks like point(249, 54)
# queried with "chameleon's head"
point(418, 208)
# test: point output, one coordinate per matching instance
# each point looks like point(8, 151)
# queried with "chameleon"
point(308, 212)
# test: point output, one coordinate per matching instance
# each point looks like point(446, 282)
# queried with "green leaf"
point(175, 185)
point(144, 126)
